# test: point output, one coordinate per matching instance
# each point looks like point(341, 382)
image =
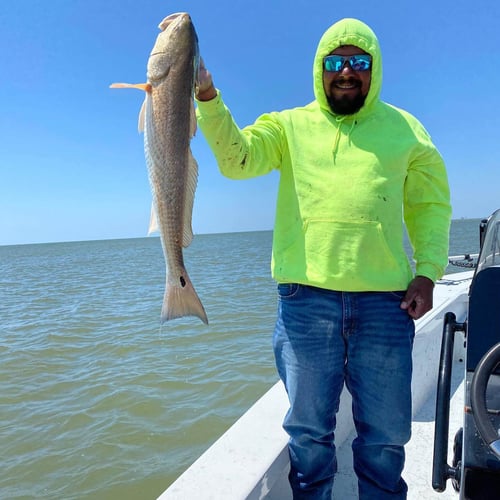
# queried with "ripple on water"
point(98, 400)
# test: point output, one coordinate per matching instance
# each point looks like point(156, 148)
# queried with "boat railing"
point(468, 260)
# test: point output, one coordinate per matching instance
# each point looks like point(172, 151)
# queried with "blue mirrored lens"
point(359, 62)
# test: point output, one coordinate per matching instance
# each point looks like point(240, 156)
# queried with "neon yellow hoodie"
point(346, 182)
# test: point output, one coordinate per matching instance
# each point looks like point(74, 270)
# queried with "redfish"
point(168, 121)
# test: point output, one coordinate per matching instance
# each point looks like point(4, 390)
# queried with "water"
point(97, 400)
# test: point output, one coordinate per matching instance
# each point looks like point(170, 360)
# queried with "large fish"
point(168, 120)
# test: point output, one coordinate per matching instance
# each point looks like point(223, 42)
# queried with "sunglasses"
point(358, 62)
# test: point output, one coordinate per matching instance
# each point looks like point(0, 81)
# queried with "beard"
point(346, 105)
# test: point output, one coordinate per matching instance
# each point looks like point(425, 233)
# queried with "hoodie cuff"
point(429, 271)
point(213, 107)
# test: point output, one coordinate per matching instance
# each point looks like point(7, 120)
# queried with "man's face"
point(346, 89)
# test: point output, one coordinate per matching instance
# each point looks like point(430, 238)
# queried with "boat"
point(250, 460)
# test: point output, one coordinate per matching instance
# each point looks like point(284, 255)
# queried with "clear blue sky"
point(71, 160)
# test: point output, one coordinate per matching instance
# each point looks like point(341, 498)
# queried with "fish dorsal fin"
point(153, 221)
point(191, 181)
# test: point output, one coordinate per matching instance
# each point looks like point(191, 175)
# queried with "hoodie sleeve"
point(240, 153)
point(427, 208)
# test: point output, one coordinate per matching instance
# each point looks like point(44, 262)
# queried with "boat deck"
point(250, 461)
point(419, 451)
point(418, 469)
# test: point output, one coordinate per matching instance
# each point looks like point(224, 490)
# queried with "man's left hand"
point(418, 298)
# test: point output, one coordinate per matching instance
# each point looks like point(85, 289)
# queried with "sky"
point(71, 160)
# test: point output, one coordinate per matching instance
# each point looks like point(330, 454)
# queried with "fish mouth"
point(177, 17)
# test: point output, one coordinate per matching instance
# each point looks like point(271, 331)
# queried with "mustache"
point(341, 80)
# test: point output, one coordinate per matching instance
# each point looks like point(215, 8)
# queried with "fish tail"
point(182, 300)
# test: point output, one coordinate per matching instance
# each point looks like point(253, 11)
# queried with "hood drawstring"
point(340, 121)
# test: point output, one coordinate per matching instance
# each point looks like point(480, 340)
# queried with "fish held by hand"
point(168, 121)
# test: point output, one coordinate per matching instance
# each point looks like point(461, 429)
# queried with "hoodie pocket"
point(351, 256)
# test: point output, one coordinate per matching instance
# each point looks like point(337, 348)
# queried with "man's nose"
point(346, 68)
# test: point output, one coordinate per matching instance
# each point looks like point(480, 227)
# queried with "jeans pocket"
point(287, 290)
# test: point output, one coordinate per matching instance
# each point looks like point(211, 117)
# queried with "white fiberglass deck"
point(250, 461)
point(418, 468)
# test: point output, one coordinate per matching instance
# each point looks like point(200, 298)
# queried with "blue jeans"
point(322, 340)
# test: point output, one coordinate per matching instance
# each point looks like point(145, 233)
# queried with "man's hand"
point(418, 298)
point(205, 90)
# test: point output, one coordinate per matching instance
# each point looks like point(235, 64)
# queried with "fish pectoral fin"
point(191, 181)
point(153, 221)
point(147, 87)
point(142, 115)
point(141, 86)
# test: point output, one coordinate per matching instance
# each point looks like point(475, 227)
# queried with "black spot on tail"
point(183, 282)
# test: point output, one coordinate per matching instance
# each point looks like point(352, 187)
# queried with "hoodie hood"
point(349, 32)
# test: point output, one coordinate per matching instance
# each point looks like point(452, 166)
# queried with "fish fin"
point(142, 115)
point(181, 300)
point(153, 221)
point(191, 181)
point(147, 87)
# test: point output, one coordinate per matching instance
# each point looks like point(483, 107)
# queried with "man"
point(351, 168)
